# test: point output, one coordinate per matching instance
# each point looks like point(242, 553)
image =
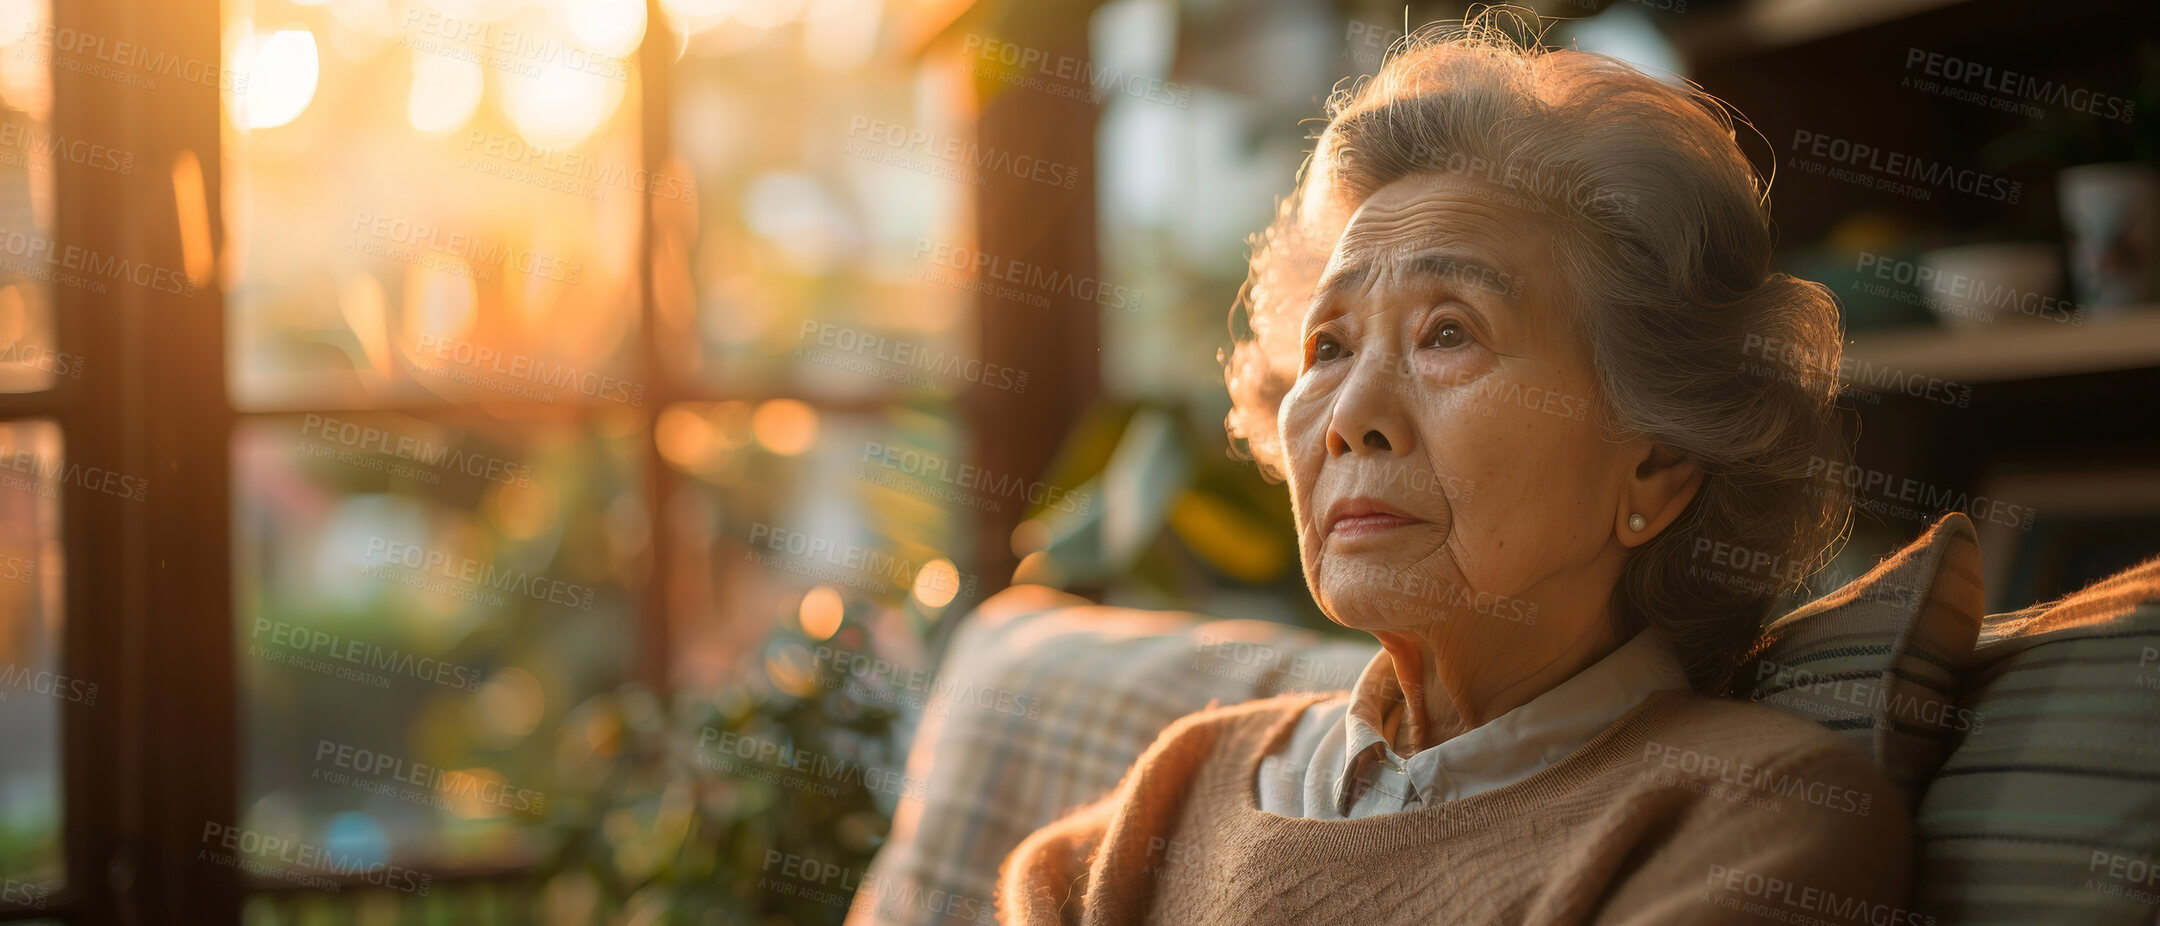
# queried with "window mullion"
point(155, 762)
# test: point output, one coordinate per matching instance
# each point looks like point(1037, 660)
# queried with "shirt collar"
point(1515, 744)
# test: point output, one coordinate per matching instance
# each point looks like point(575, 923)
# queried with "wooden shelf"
point(2013, 351)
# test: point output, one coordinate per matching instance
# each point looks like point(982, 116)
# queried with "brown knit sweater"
point(1685, 810)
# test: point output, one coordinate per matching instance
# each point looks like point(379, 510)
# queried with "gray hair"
point(1663, 230)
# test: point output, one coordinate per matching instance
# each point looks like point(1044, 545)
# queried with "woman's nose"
point(1371, 414)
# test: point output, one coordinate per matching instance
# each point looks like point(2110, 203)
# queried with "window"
point(35, 690)
point(470, 372)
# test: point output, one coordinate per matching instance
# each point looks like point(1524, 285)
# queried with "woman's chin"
point(1371, 611)
point(1400, 562)
point(1366, 623)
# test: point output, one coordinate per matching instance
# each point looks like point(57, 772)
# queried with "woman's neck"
point(1453, 683)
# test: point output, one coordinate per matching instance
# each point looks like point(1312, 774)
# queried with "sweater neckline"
point(1520, 742)
point(1388, 831)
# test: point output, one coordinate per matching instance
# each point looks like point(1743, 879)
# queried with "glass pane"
point(806, 544)
point(870, 510)
point(1186, 179)
point(33, 689)
point(432, 202)
point(30, 357)
point(420, 606)
point(1187, 176)
point(829, 250)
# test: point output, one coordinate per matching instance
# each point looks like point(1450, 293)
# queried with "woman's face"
point(1446, 466)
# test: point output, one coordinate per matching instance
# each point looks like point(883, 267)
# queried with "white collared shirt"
point(1338, 765)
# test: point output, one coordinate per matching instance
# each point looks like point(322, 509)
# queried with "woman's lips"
point(1366, 524)
point(1364, 517)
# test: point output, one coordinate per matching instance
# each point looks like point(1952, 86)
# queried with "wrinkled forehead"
point(1423, 213)
point(1444, 230)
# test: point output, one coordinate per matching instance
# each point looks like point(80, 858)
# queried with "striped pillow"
point(1878, 660)
point(2049, 810)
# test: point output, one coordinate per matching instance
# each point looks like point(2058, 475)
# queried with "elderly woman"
point(1497, 343)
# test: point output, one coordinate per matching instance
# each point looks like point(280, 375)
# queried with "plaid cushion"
point(2049, 809)
point(1879, 659)
point(1100, 682)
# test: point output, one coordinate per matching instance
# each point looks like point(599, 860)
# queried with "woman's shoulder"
point(1728, 796)
point(1695, 734)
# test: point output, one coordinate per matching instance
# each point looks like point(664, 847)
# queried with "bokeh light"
point(686, 439)
point(785, 426)
point(445, 93)
point(821, 613)
point(476, 792)
point(25, 80)
point(607, 27)
point(559, 105)
point(280, 71)
point(937, 583)
point(511, 704)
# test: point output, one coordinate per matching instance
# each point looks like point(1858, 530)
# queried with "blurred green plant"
point(1176, 521)
point(764, 803)
point(753, 807)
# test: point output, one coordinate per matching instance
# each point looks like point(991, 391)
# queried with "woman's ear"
point(1658, 489)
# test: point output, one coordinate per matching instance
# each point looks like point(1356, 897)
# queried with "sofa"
point(2026, 745)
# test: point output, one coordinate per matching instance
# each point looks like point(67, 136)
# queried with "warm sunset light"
point(821, 613)
point(438, 307)
point(785, 426)
point(699, 8)
point(687, 439)
point(560, 105)
point(25, 80)
point(281, 70)
point(607, 27)
point(937, 583)
point(191, 208)
point(445, 92)
point(360, 302)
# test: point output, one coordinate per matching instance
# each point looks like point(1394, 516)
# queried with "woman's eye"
point(1446, 334)
point(1326, 348)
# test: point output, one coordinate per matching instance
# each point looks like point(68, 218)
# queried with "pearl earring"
point(1637, 522)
